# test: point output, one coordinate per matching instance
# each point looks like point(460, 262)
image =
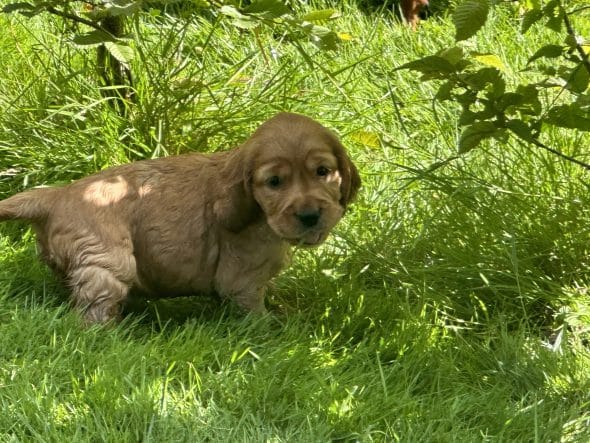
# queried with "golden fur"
point(193, 223)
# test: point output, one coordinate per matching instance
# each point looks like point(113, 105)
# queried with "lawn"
point(450, 304)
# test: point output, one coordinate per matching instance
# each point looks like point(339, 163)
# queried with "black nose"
point(308, 218)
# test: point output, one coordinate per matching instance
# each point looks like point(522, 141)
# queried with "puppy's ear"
point(351, 180)
point(235, 207)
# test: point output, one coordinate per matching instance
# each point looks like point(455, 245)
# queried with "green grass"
point(449, 305)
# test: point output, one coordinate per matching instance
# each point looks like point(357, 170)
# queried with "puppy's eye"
point(274, 182)
point(322, 171)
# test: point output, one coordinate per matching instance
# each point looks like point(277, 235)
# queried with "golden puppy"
point(193, 223)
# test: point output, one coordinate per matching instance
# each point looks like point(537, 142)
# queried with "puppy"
point(194, 223)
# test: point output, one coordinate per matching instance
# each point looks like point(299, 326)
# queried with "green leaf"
point(579, 79)
point(324, 38)
point(321, 15)
point(521, 129)
point(472, 135)
point(550, 7)
point(367, 138)
point(583, 102)
point(529, 19)
point(547, 51)
point(467, 117)
point(444, 91)
point(453, 55)
point(555, 23)
point(17, 7)
point(431, 64)
point(487, 76)
point(240, 20)
point(123, 53)
point(123, 8)
point(469, 17)
point(509, 99)
point(569, 116)
point(231, 11)
point(531, 105)
point(267, 8)
point(27, 9)
point(93, 38)
point(489, 60)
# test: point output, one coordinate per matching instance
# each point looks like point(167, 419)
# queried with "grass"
point(449, 305)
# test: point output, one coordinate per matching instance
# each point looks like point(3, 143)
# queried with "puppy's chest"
point(176, 263)
point(256, 253)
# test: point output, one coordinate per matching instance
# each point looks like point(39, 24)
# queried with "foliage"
point(490, 108)
point(105, 27)
point(273, 13)
point(450, 304)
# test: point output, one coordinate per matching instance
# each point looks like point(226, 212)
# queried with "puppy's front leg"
point(251, 301)
point(242, 289)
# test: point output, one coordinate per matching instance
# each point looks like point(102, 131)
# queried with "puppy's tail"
point(29, 205)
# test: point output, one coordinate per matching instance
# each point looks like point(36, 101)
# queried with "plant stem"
point(572, 33)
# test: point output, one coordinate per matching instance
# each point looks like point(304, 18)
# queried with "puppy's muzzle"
point(309, 217)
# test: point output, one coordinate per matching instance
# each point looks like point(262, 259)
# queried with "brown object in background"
point(411, 11)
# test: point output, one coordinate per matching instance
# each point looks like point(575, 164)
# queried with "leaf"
point(267, 8)
point(453, 55)
point(547, 51)
point(467, 117)
point(123, 53)
point(521, 129)
point(532, 4)
point(569, 116)
point(230, 11)
point(550, 7)
point(529, 19)
point(531, 104)
point(321, 15)
point(27, 9)
point(93, 38)
point(367, 138)
point(555, 23)
point(583, 102)
point(489, 60)
point(240, 20)
point(17, 7)
point(123, 8)
point(444, 91)
point(345, 36)
point(487, 76)
point(469, 17)
point(325, 40)
point(579, 79)
point(509, 99)
point(472, 136)
point(431, 64)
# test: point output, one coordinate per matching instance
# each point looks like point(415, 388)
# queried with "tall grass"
point(449, 305)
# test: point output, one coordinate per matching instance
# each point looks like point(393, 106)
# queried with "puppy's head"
point(300, 177)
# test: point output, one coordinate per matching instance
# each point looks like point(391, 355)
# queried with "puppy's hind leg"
point(98, 293)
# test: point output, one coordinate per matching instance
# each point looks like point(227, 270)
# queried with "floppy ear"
point(351, 180)
point(235, 207)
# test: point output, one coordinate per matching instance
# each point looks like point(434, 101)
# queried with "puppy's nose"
point(308, 218)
